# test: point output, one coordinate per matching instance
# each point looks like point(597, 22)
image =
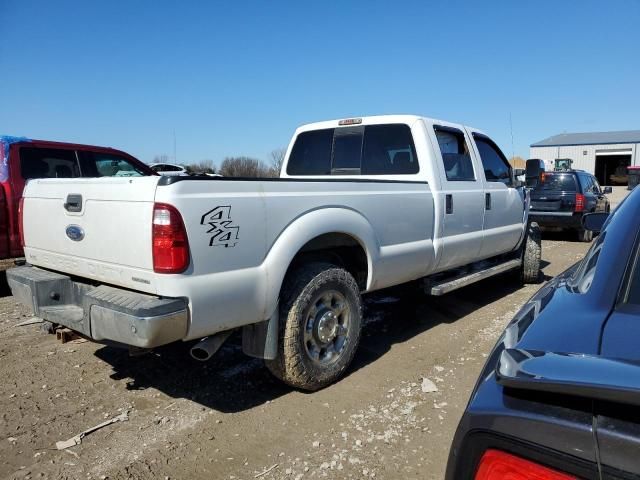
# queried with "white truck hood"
point(108, 239)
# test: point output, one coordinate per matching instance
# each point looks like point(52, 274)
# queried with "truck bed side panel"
point(244, 234)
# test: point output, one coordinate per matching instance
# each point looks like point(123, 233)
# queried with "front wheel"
point(531, 255)
point(320, 322)
point(584, 235)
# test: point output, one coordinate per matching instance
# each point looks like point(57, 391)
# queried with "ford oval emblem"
point(75, 232)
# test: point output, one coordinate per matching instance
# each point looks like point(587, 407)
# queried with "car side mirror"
point(533, 172)
point(594, 221)
point(607, 190)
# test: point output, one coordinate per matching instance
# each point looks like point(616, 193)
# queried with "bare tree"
point(243, 167)
point(276, 159)
point(203, 166)
point(163, 158)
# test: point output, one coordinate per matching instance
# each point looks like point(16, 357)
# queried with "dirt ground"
point(229, 419)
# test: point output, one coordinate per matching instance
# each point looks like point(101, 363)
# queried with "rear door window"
point(389, 150)
point(367, 150)
point(455, 154)
point(564, 182)
point(584, 183)
point(97, 164)
point(48, 163)
point(495, 164)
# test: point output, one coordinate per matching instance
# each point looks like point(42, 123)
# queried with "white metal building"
point(600, 153)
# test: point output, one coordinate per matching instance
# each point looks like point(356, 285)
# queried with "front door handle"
point(487, 201)
point(449, 203)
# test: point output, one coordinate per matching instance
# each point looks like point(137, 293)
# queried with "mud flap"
point(260, 340)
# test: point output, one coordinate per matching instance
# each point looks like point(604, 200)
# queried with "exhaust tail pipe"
point(208, 346)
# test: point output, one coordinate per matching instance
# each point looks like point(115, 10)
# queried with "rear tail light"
point(497, 465)
point(579, 203)
point(20, 221)
point(170, 244)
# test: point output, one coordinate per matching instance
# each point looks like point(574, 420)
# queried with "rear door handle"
point(487, 201)
point(449, 203)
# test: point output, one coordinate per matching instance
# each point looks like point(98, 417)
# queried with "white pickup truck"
point(361, 204)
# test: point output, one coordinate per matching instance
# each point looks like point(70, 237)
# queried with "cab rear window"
point(363, 150)
point(558, 182)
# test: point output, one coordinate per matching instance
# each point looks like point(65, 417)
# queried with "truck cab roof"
point(376, 120)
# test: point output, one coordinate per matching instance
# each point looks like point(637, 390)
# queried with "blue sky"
point(236, 78)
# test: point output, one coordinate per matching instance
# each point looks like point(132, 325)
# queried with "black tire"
point(295, 363)
point(531, 254)
point(584, 235)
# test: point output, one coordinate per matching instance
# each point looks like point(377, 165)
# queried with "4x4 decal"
point(223, 232)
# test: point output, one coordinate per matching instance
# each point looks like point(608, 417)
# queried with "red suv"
point(22, 159)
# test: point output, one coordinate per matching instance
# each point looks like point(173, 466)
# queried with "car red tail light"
point(170, 244)
point(20, 221)
point(497, 465)
point(579, 202)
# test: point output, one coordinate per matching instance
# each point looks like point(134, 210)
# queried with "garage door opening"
point(611, 169)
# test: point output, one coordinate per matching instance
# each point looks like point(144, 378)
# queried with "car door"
point(462, 194)
point(503, 204)
point(618, 425)
point(602, 203)
point(589, 192)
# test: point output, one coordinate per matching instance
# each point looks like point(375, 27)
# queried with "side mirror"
point(607, 190)
point(518, 172)
point(594, 221)
point(533, 172)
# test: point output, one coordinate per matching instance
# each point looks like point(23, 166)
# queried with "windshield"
point(583, 277)
point(96, 164)
point(558, 181)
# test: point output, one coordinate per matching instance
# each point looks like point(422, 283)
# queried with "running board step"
point(455, 283)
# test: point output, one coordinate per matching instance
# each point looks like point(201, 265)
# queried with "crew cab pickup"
point(361, 204)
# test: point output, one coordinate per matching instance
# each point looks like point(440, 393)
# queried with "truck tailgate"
point(97, 228)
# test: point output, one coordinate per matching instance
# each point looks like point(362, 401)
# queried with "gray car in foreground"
point(559, 397)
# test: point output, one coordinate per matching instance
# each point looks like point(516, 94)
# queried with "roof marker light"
point(350, 121)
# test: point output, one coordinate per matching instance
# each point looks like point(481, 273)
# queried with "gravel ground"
point(393, 416)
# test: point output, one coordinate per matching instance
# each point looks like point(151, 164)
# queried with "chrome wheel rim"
point(326, 327)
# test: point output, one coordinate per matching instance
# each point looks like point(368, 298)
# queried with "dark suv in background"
point(561, 199)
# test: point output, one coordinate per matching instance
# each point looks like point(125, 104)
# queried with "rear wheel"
point(531, 255)
point(320, 322)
